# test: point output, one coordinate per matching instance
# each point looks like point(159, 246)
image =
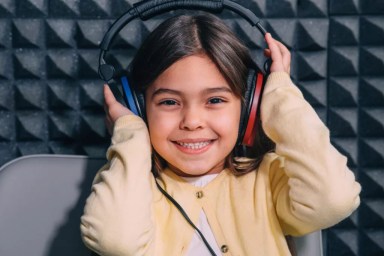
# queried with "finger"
point(284, 63)
point(276, 55)
point(108, 96)
point(285, 53)
point(279, 46)
point(274, 48)
point(267, 53)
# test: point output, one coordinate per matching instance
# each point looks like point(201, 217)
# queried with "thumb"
point(112, 107)
point(108, 95)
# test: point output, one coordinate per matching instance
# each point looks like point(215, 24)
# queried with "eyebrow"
point(176, 92)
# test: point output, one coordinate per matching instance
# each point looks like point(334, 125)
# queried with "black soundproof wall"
point(51, 96)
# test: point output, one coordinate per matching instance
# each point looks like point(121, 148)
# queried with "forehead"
point(196, 72)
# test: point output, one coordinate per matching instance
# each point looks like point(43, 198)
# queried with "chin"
point(195, 170)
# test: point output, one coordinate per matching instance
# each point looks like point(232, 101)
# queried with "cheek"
point(228, 124)
point(159, 127)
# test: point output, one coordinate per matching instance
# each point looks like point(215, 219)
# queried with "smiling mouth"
point(195, 145)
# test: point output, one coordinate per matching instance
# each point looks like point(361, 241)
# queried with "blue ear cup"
point(107, 73)
point(130, 97)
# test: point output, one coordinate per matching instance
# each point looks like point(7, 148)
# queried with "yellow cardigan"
point(302, 187)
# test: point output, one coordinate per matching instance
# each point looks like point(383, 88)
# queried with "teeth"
point(198, 145)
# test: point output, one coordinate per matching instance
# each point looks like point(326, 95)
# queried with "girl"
point(193, 71)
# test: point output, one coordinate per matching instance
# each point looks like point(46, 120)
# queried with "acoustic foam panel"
point(51, 97)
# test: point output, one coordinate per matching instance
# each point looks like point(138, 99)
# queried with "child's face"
point(193, 116)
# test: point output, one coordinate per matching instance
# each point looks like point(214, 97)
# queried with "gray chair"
point(309, 245)
point(41, 201)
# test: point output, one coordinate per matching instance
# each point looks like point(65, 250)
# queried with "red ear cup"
point(254, 101)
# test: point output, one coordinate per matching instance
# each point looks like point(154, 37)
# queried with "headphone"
point(147, 9)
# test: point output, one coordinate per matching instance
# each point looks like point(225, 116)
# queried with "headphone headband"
point(150, 8)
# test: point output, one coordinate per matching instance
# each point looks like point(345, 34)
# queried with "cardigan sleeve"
point(312, 187)
point(117, 218)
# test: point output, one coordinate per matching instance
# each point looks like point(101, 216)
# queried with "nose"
point(192, 119)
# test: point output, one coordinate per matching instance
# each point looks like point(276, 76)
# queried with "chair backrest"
point(41, 201)
point(310, 244)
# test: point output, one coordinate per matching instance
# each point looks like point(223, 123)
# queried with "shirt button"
point(199, 194)
point(224, 249)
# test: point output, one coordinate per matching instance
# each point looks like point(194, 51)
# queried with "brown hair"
point(186, 35)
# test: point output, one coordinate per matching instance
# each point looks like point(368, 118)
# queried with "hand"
point(280, 55)
point(113, 109)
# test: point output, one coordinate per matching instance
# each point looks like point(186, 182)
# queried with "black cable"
point(181, 210)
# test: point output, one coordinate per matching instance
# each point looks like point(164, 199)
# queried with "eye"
point(215, 100)
point(168, 102)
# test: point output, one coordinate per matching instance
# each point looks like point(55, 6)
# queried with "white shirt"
point(197, 246)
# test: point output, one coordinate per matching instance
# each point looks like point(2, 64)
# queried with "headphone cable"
point(181, 210)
